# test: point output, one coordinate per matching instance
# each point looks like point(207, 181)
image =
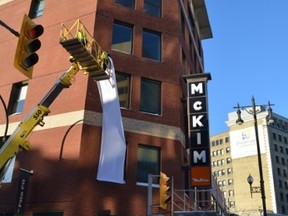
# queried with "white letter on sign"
point(201, 156)
point(198, 88)
point(196, 121)
point(197, 105)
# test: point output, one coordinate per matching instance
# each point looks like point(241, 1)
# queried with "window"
point(150, 99)
point(123, 85)
point(230, 182)
point(275, 148)
point(122, 37)
point(219, 173)
point(36, 8)
point(229, 170)
point(277, 159)
point(227, 149)
point(228, 160)
point(283, 160)
point(279, 138)
point(126, 3)
point(278, 171)
point(152, 7)
point(151, 45)
point(18, 96)
point(274, 136)
point(148, 163)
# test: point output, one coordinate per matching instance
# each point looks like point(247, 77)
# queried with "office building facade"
point(234, 158)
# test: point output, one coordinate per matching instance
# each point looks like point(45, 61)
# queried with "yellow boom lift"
point(86, 55)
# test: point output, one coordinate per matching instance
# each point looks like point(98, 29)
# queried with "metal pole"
point(259, 159)
point(195, 198)
point(7, 119)
point(149, 195)
point(172, 195)
point(14, 32)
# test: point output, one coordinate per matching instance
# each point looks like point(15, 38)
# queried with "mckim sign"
point(198, 129)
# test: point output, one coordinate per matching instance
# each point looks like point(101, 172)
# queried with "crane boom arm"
point(18, 139)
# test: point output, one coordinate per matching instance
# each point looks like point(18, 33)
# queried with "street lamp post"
point(253, 189)
point(239, 121)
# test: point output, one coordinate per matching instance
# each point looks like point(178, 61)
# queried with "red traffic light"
point(35, 31)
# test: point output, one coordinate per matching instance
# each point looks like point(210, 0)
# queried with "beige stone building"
point(234, 157)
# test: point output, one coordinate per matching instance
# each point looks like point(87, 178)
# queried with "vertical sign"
point(199, 141)
point(22, 191)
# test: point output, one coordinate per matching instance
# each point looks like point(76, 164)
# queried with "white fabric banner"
point(113, 144)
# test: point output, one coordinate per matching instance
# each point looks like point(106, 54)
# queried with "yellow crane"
point(86, 55)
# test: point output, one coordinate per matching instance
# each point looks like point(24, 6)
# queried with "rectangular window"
point(122, 37)
point(274, 136)
point(126, 3)
point(123, 85)
point(18, 97)
point(153, 7)
point(150, 99)
point(151, 45)
point(36, 8)
point(148, 163)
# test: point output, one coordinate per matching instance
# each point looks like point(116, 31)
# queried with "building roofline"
point(201, 14)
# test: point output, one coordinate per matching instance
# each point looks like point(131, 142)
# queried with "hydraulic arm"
point(18, 140)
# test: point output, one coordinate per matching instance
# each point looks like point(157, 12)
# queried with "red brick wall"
point(70, 184)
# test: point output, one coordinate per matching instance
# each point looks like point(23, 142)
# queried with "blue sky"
point(248, 55)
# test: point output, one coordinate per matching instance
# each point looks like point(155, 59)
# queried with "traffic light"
point(164, 189)
point(28, 44)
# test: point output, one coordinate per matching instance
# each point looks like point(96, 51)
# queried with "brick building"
point(152, 44)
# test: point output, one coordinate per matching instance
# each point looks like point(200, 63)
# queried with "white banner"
point(113, 144)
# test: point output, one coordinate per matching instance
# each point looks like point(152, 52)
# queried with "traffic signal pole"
point(149, 194)
point(9, 28)
point(162, 177)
